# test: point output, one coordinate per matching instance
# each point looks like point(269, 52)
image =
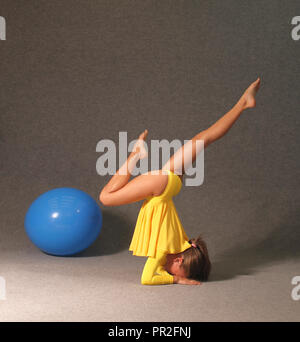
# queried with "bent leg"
point(123, 175)
point(120, 190)
point(139, 188)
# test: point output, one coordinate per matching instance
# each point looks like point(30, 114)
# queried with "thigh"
point(139, 188)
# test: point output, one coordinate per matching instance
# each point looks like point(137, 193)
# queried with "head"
point(193, 263)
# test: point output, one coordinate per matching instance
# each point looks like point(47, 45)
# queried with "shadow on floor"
point(115, 236)
point(283, 243)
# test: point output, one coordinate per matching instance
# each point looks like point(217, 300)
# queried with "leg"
point(120, 191)
point(136, 190)
point(122, 176)
point(186, 155)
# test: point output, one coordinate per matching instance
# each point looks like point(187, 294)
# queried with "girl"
point(159, 235)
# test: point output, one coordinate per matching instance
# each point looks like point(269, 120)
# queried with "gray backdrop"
point(75, 72)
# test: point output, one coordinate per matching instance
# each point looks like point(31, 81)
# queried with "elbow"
point(145, 281)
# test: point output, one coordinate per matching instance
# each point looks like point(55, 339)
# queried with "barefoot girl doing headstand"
point(159, 235)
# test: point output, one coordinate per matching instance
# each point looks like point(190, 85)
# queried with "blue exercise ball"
point(63, 221)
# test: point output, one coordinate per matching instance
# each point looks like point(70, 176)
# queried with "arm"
point(154, 272)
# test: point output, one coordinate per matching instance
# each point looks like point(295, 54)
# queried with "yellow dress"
point(158, 229)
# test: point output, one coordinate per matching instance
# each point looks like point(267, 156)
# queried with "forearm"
point(154, 272)
point(158, 280)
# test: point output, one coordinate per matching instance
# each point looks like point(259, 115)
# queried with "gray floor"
point(40, 287)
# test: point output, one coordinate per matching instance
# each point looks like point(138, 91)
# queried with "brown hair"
point(196, 261)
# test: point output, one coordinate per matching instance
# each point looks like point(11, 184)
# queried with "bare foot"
point(248, 97)
point(139, 146)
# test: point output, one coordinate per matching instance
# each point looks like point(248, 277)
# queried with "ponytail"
point(196, 261)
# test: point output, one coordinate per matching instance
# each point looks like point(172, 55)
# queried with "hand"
point(186, 281)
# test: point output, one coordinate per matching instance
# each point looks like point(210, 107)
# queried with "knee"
point(103, 198)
